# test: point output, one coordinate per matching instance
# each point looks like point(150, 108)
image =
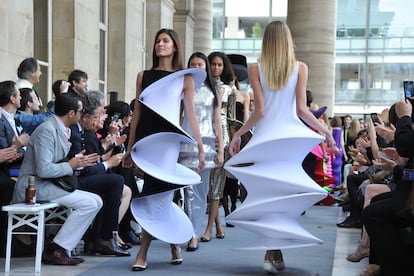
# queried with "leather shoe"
point(350, 223)
point(109, 247)
point(58, 256)
point(130, 237)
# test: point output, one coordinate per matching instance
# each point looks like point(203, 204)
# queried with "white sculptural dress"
point(158, 138)
point(270, 167)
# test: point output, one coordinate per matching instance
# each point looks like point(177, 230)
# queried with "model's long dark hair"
point(209, 79)
point(177, 62)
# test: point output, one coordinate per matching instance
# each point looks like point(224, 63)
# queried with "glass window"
point(102, 11)
point(103, 46)
point(42, 46)
point(351, 18)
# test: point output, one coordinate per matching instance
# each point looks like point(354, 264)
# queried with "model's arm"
point(188, 90)
point(246, 107)
point(342, 143)
point(127, 160)
point(303, 111)
point(218, 130)
point(258, 112)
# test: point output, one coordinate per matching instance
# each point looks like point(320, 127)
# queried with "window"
point(42, 27)
point(103, 45)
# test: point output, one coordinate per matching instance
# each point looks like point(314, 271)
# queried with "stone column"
point(63, 37)
point(313, 23)
point(16, 32)
point(203, 27)
point(76, 39)
point(159, 14)
point(184, 26)
point(125, 46)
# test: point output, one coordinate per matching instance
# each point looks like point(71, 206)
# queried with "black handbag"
point(69, 183)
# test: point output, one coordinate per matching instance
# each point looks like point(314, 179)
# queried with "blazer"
point(76, 140)
point(6, 133)
point(48, 145)
point(6, 140)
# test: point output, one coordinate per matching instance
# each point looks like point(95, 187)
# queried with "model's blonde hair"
point(278, 55)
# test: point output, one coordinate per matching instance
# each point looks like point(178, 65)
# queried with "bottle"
point(31, 191)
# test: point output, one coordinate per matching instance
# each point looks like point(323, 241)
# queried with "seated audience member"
point(386, 218)
point(28, 114)
point(47, 148)
point(6, 191)
point(28, 74)
point(119, 112)
point(367, 150)
point(10, 130)
point(99, 179)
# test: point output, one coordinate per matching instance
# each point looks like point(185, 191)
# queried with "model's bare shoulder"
point(303, 66)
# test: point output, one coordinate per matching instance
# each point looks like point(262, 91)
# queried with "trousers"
point(84, 207)
point(109, 187)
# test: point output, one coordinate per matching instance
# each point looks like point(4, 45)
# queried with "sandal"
point(370, 270)
point(360, 253)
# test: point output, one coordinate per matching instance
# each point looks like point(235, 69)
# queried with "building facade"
point(373, 45)
point(111, 40)
point(358, 52)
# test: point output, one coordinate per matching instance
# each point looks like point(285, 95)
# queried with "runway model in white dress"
point(278, 188)
point(270, 165)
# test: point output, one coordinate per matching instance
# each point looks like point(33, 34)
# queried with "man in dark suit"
point(48, 146)
point(10, 130)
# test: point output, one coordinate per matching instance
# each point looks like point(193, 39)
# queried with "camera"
point(408, 89)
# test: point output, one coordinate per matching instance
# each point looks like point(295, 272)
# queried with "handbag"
point(68, 183)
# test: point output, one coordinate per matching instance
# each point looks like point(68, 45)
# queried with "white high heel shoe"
point(269, 268)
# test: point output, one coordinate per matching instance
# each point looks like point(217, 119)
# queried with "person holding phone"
point(389, 214)
point(408, 89)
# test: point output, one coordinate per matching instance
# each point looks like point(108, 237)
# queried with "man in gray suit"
point(48, 145)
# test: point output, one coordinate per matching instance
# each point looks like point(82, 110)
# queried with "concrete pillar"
point(76, 39)
point(125, 46)
point(184, 26)
point(203, 27)
point(63, 37)
point(159, 14)
point(313, 24)
point(16, 32)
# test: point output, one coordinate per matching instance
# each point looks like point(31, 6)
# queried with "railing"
point(349, 45)
point(369, 97)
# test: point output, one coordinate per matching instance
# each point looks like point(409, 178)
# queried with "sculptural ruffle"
point(155, 152)
point(270, 168)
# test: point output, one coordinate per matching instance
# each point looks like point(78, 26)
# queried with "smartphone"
point(116, 116)
point(381, 154)
point(408, 174)
point(408, 89)
point(374, 117)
